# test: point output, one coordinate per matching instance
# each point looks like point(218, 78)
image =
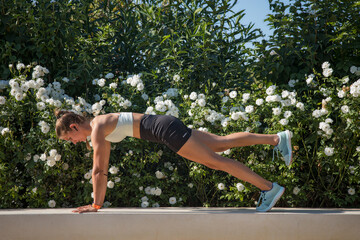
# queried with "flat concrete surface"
point(180, 223)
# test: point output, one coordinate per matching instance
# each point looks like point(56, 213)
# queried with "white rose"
point(287, 114)
point(310, 78)
point(110, 184)
point(345, 109)
point(66, 166)
point(225, 99)
point(20, 66)
point(109, 75)
point(52, 152)
point(324, 126)
point(172, 200)
point(235, 116)
point(157, 192)
point(233, 94)
point(249, 109)
point(193, 96)
point(51, 162)
point(43, 157)
point(240, 187)
point(329, 131)
point(202, 102)
point(221, 186)
point(276, 111)
point(353, 69)
point(176, 78)
point(201, 96)
point(113, 170)
point(345, 80)
point(296, 190)
point(113, 85)
point(145, 96)
point(52, 203)
point(101, 82)
point(2, 100)
point(329, 151)
point(325, 65)
point(148, 190)
point(57, 157)
point(159, 175)
point(285, 94)
point(284, 121)
point(351, 191)
point(329, 120)
point(140, 86)
point(341, 94)
point(87, 175)
point(270, 90)
point(246, 96)
point(327, 72)
point(352, 169)
point(227, 152)
point(40, 106)
point(36, 158)
point(259, 101)
point(292, 83)
point(144, 204)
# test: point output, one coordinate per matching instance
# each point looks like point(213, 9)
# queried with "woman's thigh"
point(214, 142)
point(195, 150)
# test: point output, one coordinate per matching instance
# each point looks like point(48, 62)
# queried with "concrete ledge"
point(180, 223)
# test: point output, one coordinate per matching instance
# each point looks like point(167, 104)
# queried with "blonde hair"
point(63, 121)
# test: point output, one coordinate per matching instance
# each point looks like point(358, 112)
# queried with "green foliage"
point(306, 34)
point(81, 39)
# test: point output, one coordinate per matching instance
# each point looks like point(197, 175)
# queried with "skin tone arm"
point(100, 168)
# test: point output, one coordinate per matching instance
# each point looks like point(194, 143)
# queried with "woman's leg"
point(239, 139)
point(198, 151)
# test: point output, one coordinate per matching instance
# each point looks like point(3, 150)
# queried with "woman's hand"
point(87, 208)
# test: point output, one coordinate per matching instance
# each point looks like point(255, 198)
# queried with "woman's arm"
point(100, 169)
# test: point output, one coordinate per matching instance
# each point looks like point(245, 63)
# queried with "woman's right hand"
point(83, 209)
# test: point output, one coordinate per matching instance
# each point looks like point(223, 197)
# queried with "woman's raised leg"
point(239, 139)
point(198, 151)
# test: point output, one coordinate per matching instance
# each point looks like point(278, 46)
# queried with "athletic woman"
point(197, 146)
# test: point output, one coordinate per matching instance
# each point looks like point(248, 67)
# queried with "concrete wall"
point(180, 223)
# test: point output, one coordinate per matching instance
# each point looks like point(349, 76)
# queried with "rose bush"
point(38, 170)
point(187, 59)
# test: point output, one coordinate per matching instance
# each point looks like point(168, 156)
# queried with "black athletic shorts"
point(164, 129)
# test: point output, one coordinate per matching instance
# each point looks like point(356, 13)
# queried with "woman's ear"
point(74, 126)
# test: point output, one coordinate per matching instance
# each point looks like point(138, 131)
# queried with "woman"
point(194, 145)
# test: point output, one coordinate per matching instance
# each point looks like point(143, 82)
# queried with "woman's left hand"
point(87, 208)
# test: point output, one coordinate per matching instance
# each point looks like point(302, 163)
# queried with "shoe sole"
point(274, 201)
point(289, 147)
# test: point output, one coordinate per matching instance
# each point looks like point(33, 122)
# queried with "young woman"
point(191, 144)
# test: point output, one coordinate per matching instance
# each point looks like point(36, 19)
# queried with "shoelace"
point(262, 198)
point(276, 149)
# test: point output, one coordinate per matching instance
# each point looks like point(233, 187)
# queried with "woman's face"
point(75, 135)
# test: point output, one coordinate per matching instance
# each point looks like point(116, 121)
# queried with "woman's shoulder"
point(103, 119)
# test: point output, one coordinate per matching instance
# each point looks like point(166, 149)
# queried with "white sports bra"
point(123, 129)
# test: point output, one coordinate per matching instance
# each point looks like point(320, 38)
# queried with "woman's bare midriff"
point(136, 124)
